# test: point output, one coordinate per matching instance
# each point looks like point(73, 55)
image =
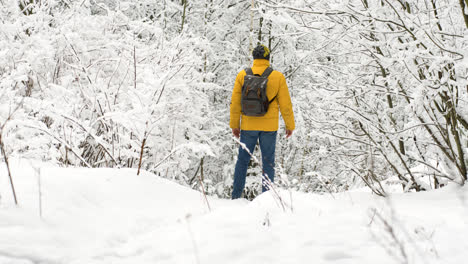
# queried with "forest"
point(379, 89)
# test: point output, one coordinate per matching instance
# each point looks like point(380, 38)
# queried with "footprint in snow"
point(336, 255)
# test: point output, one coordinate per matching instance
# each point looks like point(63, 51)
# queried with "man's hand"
point(288, 133)
point(236, 132)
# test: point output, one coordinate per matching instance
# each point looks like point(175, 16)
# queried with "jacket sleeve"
point(235, 108)
point(285, 104)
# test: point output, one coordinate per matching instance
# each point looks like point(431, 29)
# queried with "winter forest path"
point(113, 216)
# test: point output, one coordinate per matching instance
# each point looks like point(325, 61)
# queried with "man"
point(251, 129)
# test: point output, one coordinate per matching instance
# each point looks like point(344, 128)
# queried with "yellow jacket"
point(276, 86)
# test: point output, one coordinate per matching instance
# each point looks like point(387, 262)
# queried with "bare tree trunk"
point(200, 179)
point(2, 147)
point(463, 5)
point(201, 169)
point(134, 68)
point(251, 26)
point(141, 154)
point(260, 30)
point(205, 25)
point(456, 135)
point(164, 16)
point(270, 38)
point(183, 15)
point(436, 14)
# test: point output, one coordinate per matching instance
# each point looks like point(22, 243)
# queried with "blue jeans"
point(267, 140)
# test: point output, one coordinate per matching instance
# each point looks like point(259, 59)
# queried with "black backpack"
point(254, 100)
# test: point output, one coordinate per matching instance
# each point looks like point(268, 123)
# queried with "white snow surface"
point(114, 216)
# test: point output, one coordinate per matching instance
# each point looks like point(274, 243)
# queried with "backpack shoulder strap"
point(269, 102)
point(248, 71)
point(267, 72)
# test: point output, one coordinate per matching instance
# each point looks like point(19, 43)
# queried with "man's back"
point(276, 87)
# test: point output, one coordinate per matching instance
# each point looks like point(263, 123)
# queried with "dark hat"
point(261, 52)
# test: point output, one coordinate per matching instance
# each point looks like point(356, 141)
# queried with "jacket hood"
point(261, 63)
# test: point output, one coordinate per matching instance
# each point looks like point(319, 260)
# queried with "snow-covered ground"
point(113, 216)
